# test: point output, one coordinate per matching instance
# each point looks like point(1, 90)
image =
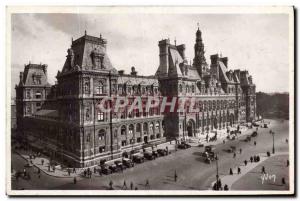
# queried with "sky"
point(256, 42)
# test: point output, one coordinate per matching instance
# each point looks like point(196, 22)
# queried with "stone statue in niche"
point(86, 86)
point(88, 114)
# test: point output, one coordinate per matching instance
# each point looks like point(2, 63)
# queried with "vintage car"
point(162, 152)
point(105, 169)
point(210, 148)
point(183, 145)
point(114, 168)
point(138, 158)
point(127, 162)
point(155, 153)
point(208, 156)
point(120, 164)
point(265, 125)
point(149, 155)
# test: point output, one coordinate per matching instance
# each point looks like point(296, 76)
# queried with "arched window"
point(123, 130)
point(145, 128)
point(138, 127)
point(151, 127)
point(130, 129)
point(100, 88)
point(180, 88)
point(101, 134)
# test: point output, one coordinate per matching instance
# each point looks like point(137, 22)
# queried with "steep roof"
point(88, 53)
point(35, 74)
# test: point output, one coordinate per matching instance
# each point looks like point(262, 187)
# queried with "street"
point(193, 173)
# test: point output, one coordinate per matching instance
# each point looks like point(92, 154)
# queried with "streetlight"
point(217, 166)
point(273, 149)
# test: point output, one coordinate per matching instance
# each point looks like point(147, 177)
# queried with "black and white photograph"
point(146, 101)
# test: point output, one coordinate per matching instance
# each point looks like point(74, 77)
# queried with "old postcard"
point(150, 101)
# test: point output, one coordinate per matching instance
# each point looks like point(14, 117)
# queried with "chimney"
point(163, 57)
point(214, 66)
point(181, 50)
point(21, 77)
point(121, 72)
point(225, 61)
point(133, 72)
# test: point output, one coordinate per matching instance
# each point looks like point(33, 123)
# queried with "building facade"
point(64, 121)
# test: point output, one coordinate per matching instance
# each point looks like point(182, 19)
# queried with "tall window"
point(101, 134)
point(100, 116)
point(100, 88)
point(123, 130)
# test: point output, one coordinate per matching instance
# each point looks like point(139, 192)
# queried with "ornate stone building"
point(64, 121)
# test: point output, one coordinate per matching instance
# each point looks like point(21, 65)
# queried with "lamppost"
point(273, 149)
point(217, 167)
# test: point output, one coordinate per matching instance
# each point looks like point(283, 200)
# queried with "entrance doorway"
point(146, 139)
point(191, 128)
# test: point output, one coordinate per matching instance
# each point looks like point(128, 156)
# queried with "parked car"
point(138, 158)
point(208, 157)
point(183, 145)
point(113, 168)
point(120, 165)
point(265, 125)
point(149, 156)
point(105, 169)
point(210, 148)
point(155, 153)
point(127, 162)
point(162, 152)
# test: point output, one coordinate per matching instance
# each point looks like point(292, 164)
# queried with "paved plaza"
point(191, 170)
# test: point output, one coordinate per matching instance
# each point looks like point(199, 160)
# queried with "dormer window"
point(97, 59)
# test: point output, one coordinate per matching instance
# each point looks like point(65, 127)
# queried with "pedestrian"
point(39, 171)
point(175, 176)
point(287, 163)
point(263, 170)
point(219, 184)
point(84, 173)
point(254, 143)
point(48, 168)
point(223, 141)
point(131, 185)
point(251, 159)
point(234, 155)
point(136, 188)
point(230, 171)
point(91, 174)
point(53, 168)
point(258, 158)
point(215, 186)
point(240, 151)
point(147, 184)
point(42, 161)
point(100, 172)
point(74, 170)
point(286, 140)
point(95, 171)
point(124, 185)
point(111, 185)
point(69, 171)
point(24, 172)
point(226, 187)
point(268, 154)
point(245, 162)
point(239, 170)
point(283, 181)
point(75, 180)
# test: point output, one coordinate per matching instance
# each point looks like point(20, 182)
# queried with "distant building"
point(63, 120)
